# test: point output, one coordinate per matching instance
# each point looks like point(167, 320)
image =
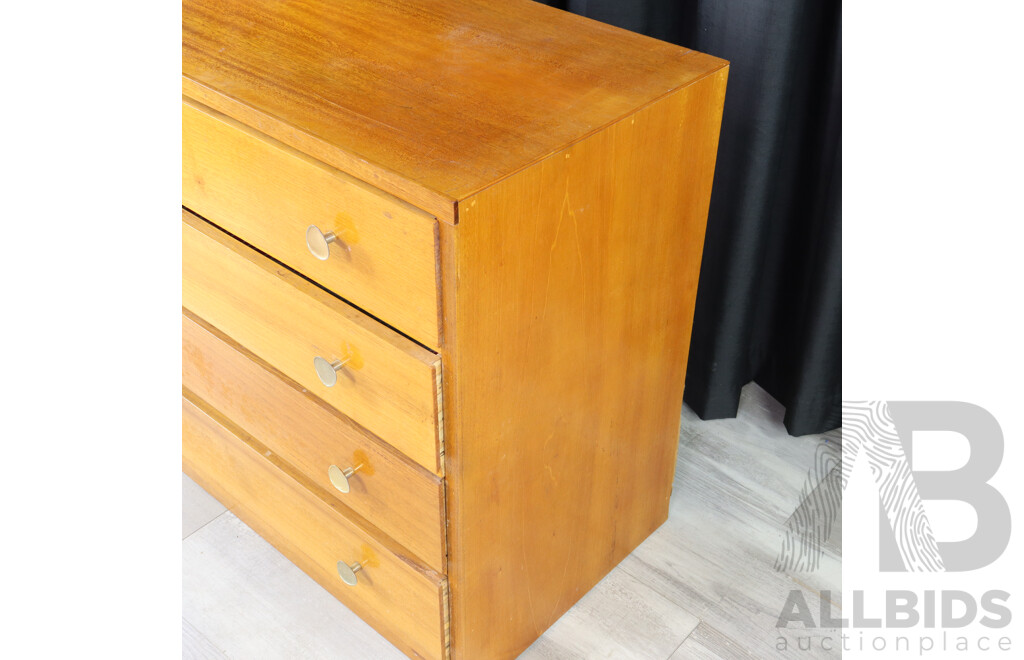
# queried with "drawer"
point(384, 259)
point(404, 602)
point(387, 384)
point(397, 496)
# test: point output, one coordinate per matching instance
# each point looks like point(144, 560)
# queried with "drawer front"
point(384, 257)
point(406, 604)
point(397, 496)
point(388, 384)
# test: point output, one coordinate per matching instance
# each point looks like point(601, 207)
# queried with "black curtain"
point(769, 302)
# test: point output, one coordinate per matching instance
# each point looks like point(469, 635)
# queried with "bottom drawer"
point(405, 604)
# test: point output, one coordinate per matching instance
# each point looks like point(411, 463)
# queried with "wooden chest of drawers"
point(439, 269)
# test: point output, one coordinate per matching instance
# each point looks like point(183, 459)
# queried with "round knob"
point(347, 573)
point(339, 477)
point(328, 371)
point(319, 243)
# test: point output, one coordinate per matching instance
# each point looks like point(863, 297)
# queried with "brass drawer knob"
point(328, 371)
point(319, 243)
point(347, 573)
point(339, 477)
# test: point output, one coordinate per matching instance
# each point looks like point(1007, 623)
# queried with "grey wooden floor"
point(702, 586)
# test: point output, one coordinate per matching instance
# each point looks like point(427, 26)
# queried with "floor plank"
point(738, 482)
point(197, 507)
point(708, 643)
point(195, 646)
point(619, 618)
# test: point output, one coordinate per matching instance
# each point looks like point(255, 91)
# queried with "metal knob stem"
point(339, 477)
point(347, 572)
point(319, 243)
point(328, 371)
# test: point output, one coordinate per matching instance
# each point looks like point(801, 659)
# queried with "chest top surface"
point(432, 100)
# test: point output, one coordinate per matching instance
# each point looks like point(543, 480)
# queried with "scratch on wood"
point(579, 253)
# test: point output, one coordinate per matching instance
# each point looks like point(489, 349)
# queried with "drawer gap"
point(295, 475)
point(316, 284)
point(331, 410)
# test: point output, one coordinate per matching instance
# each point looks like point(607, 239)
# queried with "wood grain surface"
point(195, 646)
point(429, 100)
point(390, 387)
point(738, 481)
point(571, 314)
point(402, 601)
point(397, 496)
point(267, 194)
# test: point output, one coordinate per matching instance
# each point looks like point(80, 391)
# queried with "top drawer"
point(384, 256)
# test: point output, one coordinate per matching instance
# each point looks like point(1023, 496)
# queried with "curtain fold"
point(769, 302)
